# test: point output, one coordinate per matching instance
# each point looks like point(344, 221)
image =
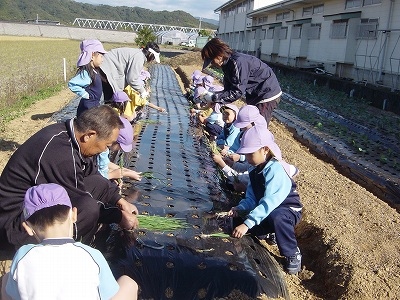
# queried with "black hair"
point(120, 106)
point(47, 216)
point(150, 56)
point(103, 119)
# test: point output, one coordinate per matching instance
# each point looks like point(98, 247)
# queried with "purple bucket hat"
point(88, 47)
point(43, 196)
point(125, 137)
point(120, 97)
point(232, 107)
point(249, 114)
point(257, 137)
point(144, 75)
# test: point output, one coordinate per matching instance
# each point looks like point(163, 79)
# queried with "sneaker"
point(270, 238)
point(293, 263)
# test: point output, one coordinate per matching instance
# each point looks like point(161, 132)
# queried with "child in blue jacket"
point(87, 82)
point(272, 203)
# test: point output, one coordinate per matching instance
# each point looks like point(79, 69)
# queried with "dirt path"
point(349, 238)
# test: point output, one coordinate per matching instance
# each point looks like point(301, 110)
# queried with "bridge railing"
point(134, 26)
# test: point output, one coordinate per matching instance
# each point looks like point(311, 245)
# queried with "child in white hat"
point(59, 267)
point(272, 203)
point(87, 82)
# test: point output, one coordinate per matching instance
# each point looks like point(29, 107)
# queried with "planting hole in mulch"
point(181, 183)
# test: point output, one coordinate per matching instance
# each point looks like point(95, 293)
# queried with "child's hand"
point(218, 160)
point(134, 175)
point(235, 157)
point(240, 231)
point(224, 151)
point(161, 109)
point(233, 212)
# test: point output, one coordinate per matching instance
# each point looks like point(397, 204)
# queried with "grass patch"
point(17, 109)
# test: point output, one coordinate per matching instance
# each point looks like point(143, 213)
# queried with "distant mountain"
point(65, 11)
point(210, 21)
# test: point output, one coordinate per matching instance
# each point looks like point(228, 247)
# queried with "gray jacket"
point(122, 67)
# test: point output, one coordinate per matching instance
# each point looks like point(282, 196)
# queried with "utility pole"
point(200, 18)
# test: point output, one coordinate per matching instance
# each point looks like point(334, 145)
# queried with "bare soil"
point(349, 238)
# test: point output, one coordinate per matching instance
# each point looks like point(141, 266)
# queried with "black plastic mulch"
point(187, 186)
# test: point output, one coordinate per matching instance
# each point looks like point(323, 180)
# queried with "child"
point(58, 267)
point(272, 203)
point(137, 102)
point(145, 77)
point(119, 101)
point(213, 124)
point(230, 132)
point(208, 83)
point(87, 81)
point(111, 170)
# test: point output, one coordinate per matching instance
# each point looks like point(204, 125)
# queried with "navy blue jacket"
point(246, 75)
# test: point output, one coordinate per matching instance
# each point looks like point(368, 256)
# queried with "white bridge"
point(134, 26)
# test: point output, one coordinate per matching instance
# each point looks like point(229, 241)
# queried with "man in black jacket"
point(63, 153)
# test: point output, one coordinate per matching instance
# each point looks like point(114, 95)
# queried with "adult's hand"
point(127, 206)
point(129, 221)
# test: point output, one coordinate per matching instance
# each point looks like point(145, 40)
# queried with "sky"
point(197, 8)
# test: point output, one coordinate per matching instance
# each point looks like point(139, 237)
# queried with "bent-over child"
point(59, 267)
point(87, 82)
point(272, 203)
point(124, 142)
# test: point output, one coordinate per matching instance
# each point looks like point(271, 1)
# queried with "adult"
point(64, 153)
point(122, 67)
point(244, 76)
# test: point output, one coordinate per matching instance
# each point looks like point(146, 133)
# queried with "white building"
point(358, 39)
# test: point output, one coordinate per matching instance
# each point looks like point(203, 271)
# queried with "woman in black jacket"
point(244, 76)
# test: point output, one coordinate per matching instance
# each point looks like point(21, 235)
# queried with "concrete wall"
point(76, 33)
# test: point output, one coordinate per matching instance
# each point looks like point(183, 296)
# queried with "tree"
point(205, 32)
point(144, 36)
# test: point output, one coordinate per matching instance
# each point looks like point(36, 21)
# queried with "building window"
point(241, 7)
point(283, 33)
point(318, 9)
point(263, 34)
point(282, 16)
point(353, 3)
point(262, 20)
point(371, 2)
point(307, 11)
point(367, 29)
point(339, 29)
point(270, 33)
point(296, 31)
point(314, 31)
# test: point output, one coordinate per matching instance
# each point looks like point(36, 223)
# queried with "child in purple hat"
point(119, 101)
point(87, 81)
point(124, 142)
point(59, 267)
point(272, 203)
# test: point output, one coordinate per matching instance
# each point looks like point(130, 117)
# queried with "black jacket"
point(246, 75)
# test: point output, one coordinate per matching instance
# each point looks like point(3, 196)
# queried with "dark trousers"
point(282, 221)
point(266, 108)
point(94, 210)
